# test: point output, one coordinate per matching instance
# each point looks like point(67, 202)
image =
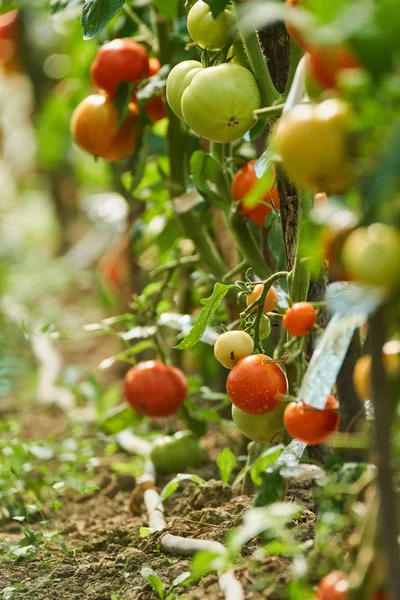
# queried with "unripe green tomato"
point(177, 82)
point(172, 454)
point(370, 255)
point(219, 102)
point(265, 327)
point(207, 32)
point(231, 346)
point(259, 428)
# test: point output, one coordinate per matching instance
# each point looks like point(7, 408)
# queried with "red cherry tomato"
point(117, 61)
point(334, 586)
point(242, 184)
point(300, 318)
point(155, 109)
point(256, 385)
point(154, 66)
point(155, 389)
point(309, 424)
point(325, 65)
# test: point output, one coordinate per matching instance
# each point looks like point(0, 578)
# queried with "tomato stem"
point(257, 62)
point(269, 111)
point(239, 267)
point(295, 56)
point(247, 245)
point(301, 269)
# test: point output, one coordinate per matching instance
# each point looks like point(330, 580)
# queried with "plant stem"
point(383, 430)
point(177, 152)
point(247, 245)
point(301, 268)
point(257, 62)
point(138, 21)
point(295, 56)
point(260, 309)
point(269, 111)
point(242, 265)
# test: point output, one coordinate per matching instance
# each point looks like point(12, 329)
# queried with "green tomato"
point(219, 103)
point(207, 32)
point(259, 428)
point(265, 327)
point(172, 454)
point(177, 82)
point(370, 255)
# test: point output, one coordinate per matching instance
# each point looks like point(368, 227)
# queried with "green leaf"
point(173, 485)
point(271, 489)
point(205, 317)
point(226, 462)
point(205, 562)
point(118, 419)
point(57, 6)
point(208, 177)
point(196, 425)
point(265, 460)
point(96, 14)
point(217, 6)
point(167, 8)
point(154, 581)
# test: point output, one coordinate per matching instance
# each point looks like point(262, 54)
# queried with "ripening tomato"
point(310, 425)
point(270, 301)
point(312, 140)
point(242, 184)
point(370, 254)
point(94, 128)
point(292, 29)
point(207, 32)
point(362, 377)
point(155, 389)
point(326, 64)
point(259, 428)
point(10, 41)
point(155, 109)
point(231, 346)
point(154, 66)
point(256, 385)
point(117, 61)
point(173, 454)
point(178, 80)
point(219, 102)
point(299, 319)
point(334, 586)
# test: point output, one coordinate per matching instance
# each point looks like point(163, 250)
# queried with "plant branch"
point(247, 245)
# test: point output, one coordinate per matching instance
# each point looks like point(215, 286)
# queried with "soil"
point(105, 551)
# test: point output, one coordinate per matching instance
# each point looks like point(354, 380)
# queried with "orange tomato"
point(155, 109)
point(242, 184)
point(270, 301)
point(9, 42)
point(310, 425)
point(154, 66)
point(292, 30)
point(94, 128)
point(256, 385)
point(117, 61)
point(334, 586)
point(325, 65)
point(299, 319)
point(155, 389)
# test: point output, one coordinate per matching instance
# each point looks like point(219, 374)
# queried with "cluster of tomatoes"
point(257, 384)
point(96, 124)
point(217, 102)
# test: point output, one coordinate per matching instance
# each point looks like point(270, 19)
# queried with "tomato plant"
point(155, 389)
point(309, 425)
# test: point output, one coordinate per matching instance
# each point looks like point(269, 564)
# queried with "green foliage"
point(167, 8)
point(217, 6)
point(174, 484)
point(210, 306)
point(96, 14)
point(263, 462)
point(226, 462)
point(154, 581)
point(118, 419)
point(208, 178)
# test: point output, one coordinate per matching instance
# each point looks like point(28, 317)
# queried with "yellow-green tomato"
point(219, 102)
point(259, 428)
point(172, 454)
point(177, 82)
point(207, 32)
point(312, 141)
point(231, 346)
point(265, 327)
point(370, 256)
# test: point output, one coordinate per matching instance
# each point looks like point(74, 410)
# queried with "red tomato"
point(300, 318)
point(154, 66)
point(256, 385)
point(325, 64)
point(117, 61)
point(155, 389)
point(309, 424)
point(334, 586)
point(292, 30)
point(9, 41)
point(94, 128)
point(155, 109)
point(270, 300)
point(242, 184)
